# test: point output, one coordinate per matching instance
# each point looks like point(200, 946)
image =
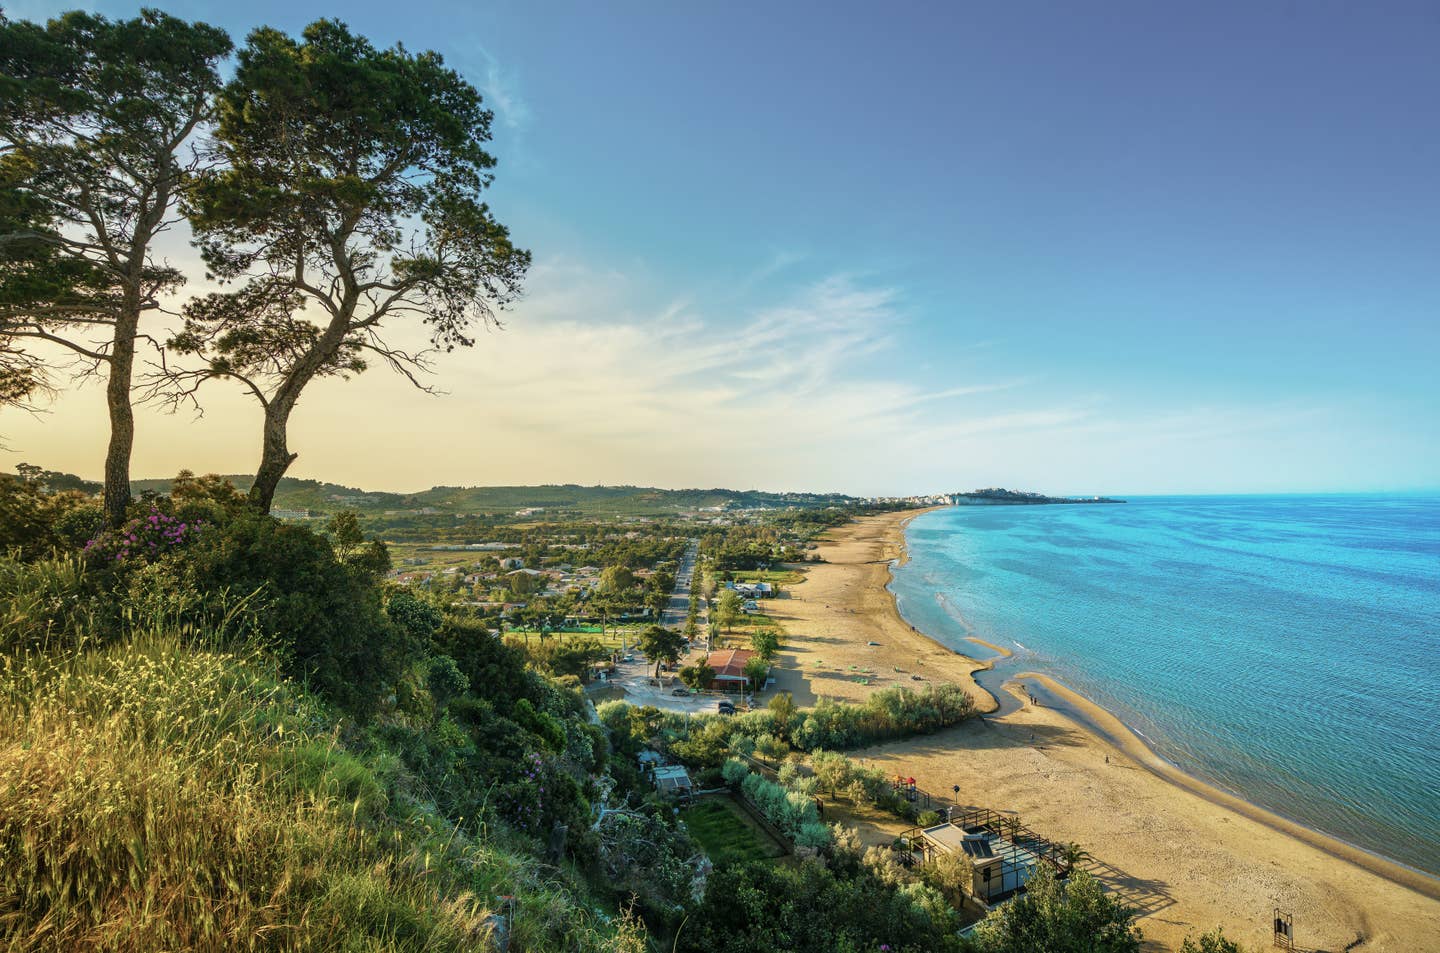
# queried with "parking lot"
point(636, 676)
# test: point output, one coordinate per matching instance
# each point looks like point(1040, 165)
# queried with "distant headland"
point(997, 496)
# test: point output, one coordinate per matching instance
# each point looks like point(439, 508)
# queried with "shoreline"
point(1110, 730)
point(1107, 728)
point(1185, 860)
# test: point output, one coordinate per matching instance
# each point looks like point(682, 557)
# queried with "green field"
point(728, 834)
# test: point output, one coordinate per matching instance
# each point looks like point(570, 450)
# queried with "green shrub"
point(808, 908)
point(324, 615)
point(49, 603)
point(1052, 915)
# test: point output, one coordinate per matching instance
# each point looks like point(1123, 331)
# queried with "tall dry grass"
point(154, 797)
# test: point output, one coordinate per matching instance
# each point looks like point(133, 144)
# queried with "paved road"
point(635, 676)
point(678, 609)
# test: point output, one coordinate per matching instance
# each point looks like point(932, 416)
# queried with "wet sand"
point(1187, 856)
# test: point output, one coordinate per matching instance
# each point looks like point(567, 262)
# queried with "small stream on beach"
point(1286, 649)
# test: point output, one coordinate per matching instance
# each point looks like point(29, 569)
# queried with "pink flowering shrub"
point(143, 539)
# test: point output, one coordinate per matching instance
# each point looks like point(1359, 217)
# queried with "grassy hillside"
point(158, 796)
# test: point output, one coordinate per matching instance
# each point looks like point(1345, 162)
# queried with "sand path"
point(1187, 862)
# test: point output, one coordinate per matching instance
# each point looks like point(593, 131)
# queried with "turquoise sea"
point(1284, 648)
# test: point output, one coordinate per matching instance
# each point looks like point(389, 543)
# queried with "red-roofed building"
point(729, 666)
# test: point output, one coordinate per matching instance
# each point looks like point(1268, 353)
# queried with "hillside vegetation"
point(572, 499)
point(197, 752)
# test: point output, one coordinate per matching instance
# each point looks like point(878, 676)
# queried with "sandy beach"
point(1187, 856)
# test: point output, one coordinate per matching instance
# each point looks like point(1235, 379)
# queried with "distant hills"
point(320, 496)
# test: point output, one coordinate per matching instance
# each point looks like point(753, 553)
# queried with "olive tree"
point(346, 197)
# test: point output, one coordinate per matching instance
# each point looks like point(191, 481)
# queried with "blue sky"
point(1115, 247)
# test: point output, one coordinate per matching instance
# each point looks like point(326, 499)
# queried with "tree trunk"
point(122, 418)
point(275, 455)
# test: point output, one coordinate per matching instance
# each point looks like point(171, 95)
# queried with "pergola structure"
point(1002, 852)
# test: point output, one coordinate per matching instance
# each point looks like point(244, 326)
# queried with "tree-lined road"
point(678, 608)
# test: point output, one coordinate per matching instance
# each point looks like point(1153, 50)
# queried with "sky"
point(898, 248)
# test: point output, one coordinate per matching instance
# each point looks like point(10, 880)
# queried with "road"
point(678, 608)
point(635, 676)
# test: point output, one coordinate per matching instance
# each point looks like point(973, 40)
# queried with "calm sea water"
point(1284, 648)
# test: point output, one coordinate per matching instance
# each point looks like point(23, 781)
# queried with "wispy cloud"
point(581, 370)
point(500, 86)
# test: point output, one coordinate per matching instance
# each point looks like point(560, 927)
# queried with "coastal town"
point(779, 607)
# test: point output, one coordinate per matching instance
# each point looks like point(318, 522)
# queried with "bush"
point(792, 812)
point(698, 676)
point(887, 714)
point(145, 538)
point(324, 615)
point(48, 603)
point(807, 908)
point(1054, 916)
point(35, 524)
point(1215, 941)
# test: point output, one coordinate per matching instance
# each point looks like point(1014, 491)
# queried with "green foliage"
point(706, 745)
point(766, 643)
point(324, 615)
point(810, 909)
point(419, 618)
point(727, 609)
point(782, 708)
point(615, 579)
point(1055, 916)
point(390, 226)
point(889, 713)
point(1213, 941)
point(445, 680)
point(949, 872)
point(573, 656)
point(792, 812)
point(661, 645)
point(734, 771)
point(32, 520)
point(757, 670)
point(96, 116)
point(698, 676)
point(770, 747)
point(46, 604)
point(345, 534)
point(837, 774)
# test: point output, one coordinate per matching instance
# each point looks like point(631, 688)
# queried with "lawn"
point(727, 833)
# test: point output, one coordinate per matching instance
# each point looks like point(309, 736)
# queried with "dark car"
point(681, 692)
point(725, 708)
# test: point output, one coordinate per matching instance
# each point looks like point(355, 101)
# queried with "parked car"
point(681, 692)
point(725, 708)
